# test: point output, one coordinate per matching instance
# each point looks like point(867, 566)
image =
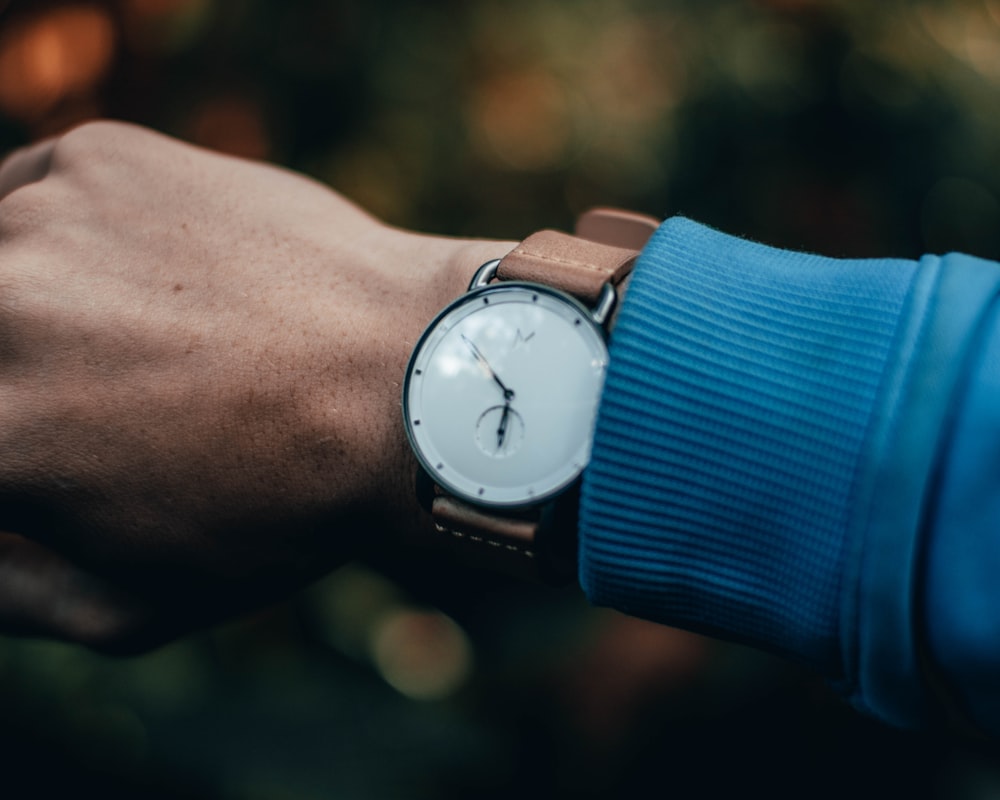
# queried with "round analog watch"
point(502, 390)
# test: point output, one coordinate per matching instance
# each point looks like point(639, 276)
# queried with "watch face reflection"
point(502, 391)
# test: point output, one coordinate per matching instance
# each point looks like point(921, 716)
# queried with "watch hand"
point(502, 428)
point(508, 394)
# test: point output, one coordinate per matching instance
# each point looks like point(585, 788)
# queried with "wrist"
point(417, 275)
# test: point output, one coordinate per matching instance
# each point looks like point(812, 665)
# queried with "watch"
point(501, 395)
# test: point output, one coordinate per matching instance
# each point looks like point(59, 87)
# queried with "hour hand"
point(502, 427)
point(508, 394)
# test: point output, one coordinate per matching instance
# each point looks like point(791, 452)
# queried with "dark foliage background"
point(847, 128)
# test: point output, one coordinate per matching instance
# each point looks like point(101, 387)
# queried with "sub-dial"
point(500, 431)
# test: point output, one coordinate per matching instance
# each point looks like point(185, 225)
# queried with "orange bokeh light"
point(47, 58)
point(522, 119)
point(233, 125)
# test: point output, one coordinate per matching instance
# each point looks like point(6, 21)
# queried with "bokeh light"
point(521, 120)
point(422, 653)
point(230, 124)
point(50, 57)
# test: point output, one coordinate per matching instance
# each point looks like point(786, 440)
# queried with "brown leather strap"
point(503, 543)
point(511, 533)
point(577, 266)
point(509, 543)
point(616, 227)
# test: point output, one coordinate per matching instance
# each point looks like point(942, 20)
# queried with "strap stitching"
point(568, 262)
point(477, 539)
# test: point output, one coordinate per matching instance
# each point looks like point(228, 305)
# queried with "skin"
point(200, 369)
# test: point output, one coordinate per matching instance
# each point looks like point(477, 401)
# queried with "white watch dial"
point(502, 391)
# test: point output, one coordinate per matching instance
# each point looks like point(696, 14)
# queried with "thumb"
point(27, 165)
point(44, 594)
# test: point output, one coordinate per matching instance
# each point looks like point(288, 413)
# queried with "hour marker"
point(481, 490)
point(416, 422)
point(486, 301)
point(531, 492)
point(418, 372)
point(534, 298)
point(577, 322)
point(439, 466)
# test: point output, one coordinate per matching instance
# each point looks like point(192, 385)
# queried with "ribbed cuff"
point(732, 430)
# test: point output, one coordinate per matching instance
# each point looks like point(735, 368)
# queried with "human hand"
point(200, 369)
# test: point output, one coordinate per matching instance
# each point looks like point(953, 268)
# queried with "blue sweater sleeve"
point(803, 454)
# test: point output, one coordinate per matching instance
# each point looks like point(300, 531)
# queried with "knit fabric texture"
point(743, 383)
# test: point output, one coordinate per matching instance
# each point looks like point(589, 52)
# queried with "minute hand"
point(508, 394)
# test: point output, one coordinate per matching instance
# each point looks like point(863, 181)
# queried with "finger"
point(25, 165)
point(44, 594)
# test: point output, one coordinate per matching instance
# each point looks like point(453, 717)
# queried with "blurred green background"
point(847, 128)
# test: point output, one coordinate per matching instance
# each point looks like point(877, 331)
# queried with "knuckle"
point(108, 630)
point(27, 208)
point(15, 155)
point(90, 611)
point(80, 146)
